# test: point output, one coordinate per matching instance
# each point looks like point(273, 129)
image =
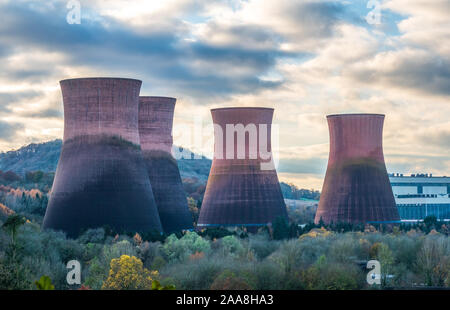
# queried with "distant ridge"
point(44, 156)
point(32, 157)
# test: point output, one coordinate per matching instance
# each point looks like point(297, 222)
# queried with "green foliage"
point(179, 249)
point(433, 261)
point(216, 232)
point(158, 287)
point(128, 273)
point(232, 245)
point(12, 223)
point(262, 246)
point(280, 228)
point(386, 258)
point(430, 221)
point(290, 191)
point(13, 276)
point(325, 276)
point(227, 258)
point(34, 176)
point(44, 284)
point(229, 280)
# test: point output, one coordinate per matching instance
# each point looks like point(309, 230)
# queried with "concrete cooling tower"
point(356, 187)
point(155, 130)
point(243, 187)
point(101, 179)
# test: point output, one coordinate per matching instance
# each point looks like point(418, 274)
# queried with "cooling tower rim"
point(355, 114)
point(157, 97)
point(242, 108)
point(99, 78)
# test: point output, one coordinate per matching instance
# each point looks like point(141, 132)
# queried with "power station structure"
point(101, 178)
point(155, 131)
point(356, 188)
point(243, 187)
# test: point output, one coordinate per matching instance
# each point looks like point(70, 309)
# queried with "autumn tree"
point(128, 273)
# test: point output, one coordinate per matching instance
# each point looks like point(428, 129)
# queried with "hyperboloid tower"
point(155, 130)
point(356, 187)
point(243, 187)
point(101, 178)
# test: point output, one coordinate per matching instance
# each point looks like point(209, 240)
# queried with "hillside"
point(5, 212)
point(44, 157)
point(33, 157)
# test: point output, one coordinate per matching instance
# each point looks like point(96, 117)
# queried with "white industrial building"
point(420, 195)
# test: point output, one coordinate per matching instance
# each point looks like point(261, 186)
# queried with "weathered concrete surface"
point(155, 129)
point(356, 188)
point(101, 178)
point(239, 192)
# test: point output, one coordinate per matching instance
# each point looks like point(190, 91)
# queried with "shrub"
point(230, 244)
point(229, 280)
point(180, 249)
point(330, 276)
point(262, 246)
point(128, 273)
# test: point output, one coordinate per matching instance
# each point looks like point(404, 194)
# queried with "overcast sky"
point(306, 59)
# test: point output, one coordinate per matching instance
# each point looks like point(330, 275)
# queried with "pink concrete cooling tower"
point(356, 187)
point(101, 178)
point(242, 190)
point(155, 130)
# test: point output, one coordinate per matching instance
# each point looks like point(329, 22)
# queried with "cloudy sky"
point(305, 58)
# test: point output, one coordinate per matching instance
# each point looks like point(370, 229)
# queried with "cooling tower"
point(356, 187)
point(242, 190)
point(155, 130)
point(101, 178)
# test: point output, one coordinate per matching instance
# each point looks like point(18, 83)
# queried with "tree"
point(128, 273)
point(433, 261)
point(430, 221)
point(11, 225)
point(193, 208)
point(12, 274)
point(280, 228)
point(386, 258)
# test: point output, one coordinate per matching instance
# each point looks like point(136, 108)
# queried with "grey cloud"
point(317, 19)
point(439, 137)
point(161, 56)
point(309, 166)
point(417, 164)
point(8, 99)
point(8, 131)
point(427, 74)
point(47, 113)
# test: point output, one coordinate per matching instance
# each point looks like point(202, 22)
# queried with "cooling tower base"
point(358, 191)
point(168, 191)
point(242, 198)
point(102, 181)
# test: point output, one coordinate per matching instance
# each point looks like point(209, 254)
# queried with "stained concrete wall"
point(239, 192)
point(101, 177)
point(356, 188)
point(155, 129)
